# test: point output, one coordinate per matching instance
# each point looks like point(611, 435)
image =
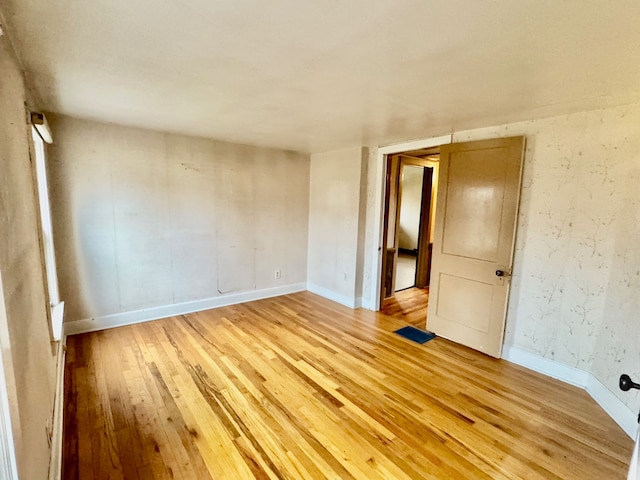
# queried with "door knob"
point(500, 273)
point(627, 384)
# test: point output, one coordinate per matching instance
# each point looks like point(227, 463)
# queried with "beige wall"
point(145, 219)
point(575, 280)
point(337, 202)
point(29, 358)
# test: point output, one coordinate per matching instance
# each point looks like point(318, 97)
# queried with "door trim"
point(378, 230)
point(423, 260)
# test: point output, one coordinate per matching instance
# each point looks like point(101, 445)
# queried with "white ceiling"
point(315, 76)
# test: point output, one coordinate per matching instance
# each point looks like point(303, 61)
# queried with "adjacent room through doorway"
point(411, 186)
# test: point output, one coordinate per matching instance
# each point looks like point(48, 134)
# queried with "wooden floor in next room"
point(409, 305)
point(298, 387)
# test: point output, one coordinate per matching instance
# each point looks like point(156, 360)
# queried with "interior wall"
point(371, 241)
point(574, 288)
point(362, 224)
point(410, 204)
point(337, 208)
point(28, 356)
point(145, 219)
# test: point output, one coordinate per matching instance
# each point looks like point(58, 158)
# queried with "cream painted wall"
point(410, 207)
point(145, 219)
point(337, 210)
point(362, 225)
point(577, 262)
point(28, 356)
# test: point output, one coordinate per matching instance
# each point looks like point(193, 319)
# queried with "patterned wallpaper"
point(576, 284)
point(575, 289)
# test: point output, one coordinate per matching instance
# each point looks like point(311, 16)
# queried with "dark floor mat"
point(415, 334)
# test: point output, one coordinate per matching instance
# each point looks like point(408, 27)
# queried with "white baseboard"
point(345, 300)
point(55, 462)
point(543, 365)
point(368, 304)
point(623, 415)
point(156, 313)
point(611, 404)
point(57, 321)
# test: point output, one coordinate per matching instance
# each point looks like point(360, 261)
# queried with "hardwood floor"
point(408, 305)
point(300, 387)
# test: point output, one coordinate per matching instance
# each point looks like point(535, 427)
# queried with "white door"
point(478, 192)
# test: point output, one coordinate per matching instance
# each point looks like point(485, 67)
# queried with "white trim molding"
point(55, 463)
point(611, 404)
point(614, 407)
point(156, 313)
point(345, 300)
point(367, 304)
point(547, 367)
point(416, 144)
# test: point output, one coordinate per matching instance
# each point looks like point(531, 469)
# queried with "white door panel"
point(479, 187)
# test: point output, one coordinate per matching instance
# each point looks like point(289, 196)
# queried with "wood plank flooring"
point(408, 305)
point(298, 387)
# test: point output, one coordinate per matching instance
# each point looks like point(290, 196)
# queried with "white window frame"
point(46, 229)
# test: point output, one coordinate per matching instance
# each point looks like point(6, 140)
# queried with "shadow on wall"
point(96, 259)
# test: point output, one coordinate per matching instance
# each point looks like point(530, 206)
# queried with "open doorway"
point(474, 236)
point(414, 194)
point(409, 212)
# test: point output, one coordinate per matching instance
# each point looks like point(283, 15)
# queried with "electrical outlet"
point(278, 274)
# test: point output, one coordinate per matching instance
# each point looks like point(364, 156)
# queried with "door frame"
point(423, 260)
point(427, 213)
point(392, 186)
point(378, 226)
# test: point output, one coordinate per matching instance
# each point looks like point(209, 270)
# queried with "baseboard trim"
point(368, 304)
point(156, 313)
point(611, 404)
point(57, 321)
point(345, 300)
point(57, 426)
point(543, 365)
